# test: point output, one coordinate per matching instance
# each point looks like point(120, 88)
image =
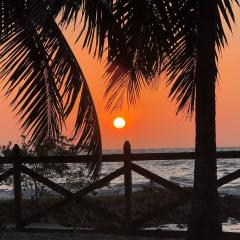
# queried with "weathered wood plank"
point(46, 181)
point(119, 157)
point(128, 187)
point(17, 187)
point(101, 211)
point(38, 215)
point(73, 196)
point(100, 183)
point(162, 211)
point(228, 178)
point(161, 181)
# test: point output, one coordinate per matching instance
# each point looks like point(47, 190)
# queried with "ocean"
point(180, 172)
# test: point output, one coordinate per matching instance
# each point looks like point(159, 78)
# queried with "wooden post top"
point(16, 150)
point(127, 148)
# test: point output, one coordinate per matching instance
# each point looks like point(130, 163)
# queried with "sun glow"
point(119, 122)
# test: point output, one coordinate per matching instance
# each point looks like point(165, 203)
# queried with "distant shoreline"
point(164, 149)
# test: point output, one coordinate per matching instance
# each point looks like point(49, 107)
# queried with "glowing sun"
point(119, 122)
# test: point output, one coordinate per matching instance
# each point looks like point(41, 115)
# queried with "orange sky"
point(153, 123)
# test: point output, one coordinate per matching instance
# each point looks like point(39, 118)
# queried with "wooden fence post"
point(128, 186)
point(17, 187)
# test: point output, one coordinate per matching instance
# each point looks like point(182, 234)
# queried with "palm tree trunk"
point(205, 221)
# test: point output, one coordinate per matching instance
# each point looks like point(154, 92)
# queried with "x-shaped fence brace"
point(184, 194)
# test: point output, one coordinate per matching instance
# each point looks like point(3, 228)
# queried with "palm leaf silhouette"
point(151, 37)
point(138, 56)
point(95, 16)
point(38, 63)
point(181, 63)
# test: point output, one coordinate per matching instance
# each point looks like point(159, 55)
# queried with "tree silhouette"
point(41, 73)
point(182, 38)
point(143, 39)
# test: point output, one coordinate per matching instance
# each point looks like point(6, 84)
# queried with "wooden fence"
point(127, 223)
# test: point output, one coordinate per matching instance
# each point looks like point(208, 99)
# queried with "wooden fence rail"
point(118, 157)
point(126, 222)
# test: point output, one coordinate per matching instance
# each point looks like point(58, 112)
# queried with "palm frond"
point(94, 17)
point(25, 66)
point(37, 100)
point(39, 64)
point(157, 36)
point(181, 64)
point(87, 130)
point(137, 58)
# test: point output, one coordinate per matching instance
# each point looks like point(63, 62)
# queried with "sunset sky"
point(153, 122)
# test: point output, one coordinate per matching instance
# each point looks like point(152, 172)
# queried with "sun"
point(119, 122)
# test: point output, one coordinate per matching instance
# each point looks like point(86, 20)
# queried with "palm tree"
point(195, 89)
point(205, 177)
point(144, 38)
point(44, 78)
point(189, 55)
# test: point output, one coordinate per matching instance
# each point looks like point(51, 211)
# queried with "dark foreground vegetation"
point(144, 201)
